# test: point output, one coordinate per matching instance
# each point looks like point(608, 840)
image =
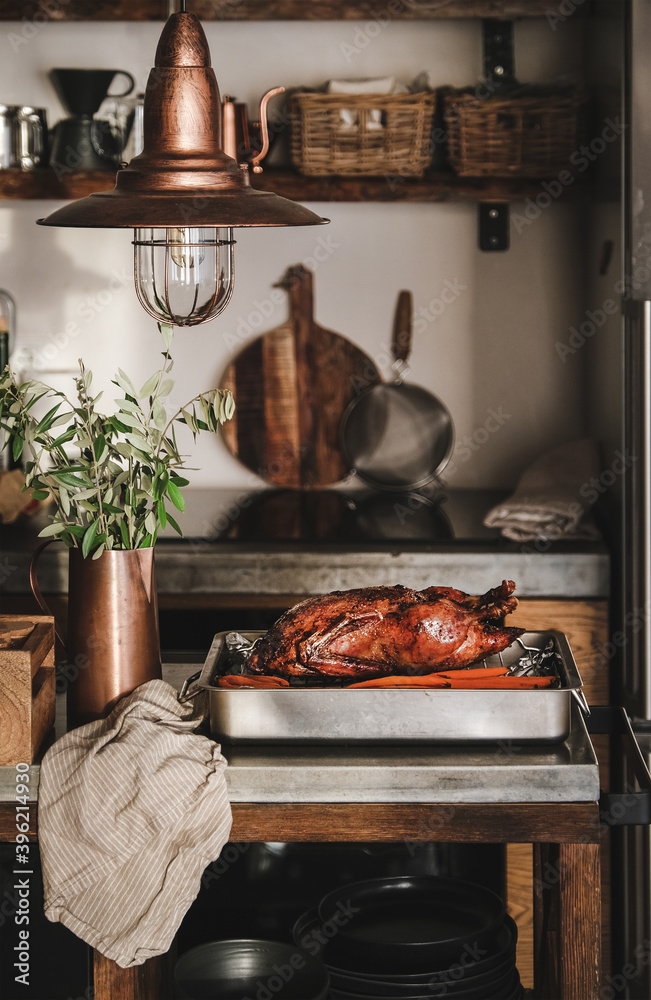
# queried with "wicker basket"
point(388, 135)
point(529, 136)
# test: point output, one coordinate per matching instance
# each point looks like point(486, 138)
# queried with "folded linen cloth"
point(552, 496)
point(348, 117)
point(131, 810)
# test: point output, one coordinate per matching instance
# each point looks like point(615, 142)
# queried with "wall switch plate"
point(493, 226)
point(499, 59)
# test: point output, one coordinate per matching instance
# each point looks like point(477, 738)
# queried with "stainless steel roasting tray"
point(338, 714)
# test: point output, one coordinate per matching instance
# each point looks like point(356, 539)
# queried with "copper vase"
point(113, 644)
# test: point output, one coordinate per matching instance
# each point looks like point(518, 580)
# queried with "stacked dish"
point(240, 969)
point(414, 938)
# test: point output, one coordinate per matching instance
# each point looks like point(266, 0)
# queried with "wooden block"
point(585, 623)
point(27, 692)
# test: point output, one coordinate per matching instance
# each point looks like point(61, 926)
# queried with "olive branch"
point(116, 490)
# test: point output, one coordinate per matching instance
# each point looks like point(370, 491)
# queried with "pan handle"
point(401, 339)
point(185, 694)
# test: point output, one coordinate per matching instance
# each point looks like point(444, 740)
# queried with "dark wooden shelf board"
point(499, 823)
point(8, 822)
point(441, 186)
point(45, 183)
point(273, 10)
point(83, 10)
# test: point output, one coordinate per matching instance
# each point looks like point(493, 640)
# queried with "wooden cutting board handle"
point(298, 282)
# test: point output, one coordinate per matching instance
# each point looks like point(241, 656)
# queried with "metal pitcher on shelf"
point(23, 137)
point(239, 139)
point(112, 643)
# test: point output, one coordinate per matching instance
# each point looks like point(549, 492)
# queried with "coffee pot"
point(246, 143)
point(83, 142)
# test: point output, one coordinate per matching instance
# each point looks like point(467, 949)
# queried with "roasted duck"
point(378, 631)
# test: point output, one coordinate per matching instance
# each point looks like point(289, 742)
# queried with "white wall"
point(493, 346)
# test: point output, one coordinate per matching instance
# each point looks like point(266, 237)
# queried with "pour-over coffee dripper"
point(83, 142)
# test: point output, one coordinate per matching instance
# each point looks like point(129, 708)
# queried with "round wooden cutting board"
point(291, 388)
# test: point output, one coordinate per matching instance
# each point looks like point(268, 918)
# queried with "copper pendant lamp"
point(182, 195)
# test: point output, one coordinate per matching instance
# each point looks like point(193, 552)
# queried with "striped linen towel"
point(131, 810)
point(553, 497)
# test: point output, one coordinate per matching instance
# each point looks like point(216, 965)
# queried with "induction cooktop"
point(336, 517)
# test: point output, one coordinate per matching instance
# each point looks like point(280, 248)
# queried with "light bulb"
point(182, 254)
point(184, 275)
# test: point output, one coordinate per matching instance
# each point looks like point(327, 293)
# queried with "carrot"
point(472, 672)
point(395, 681)
point(430, 680)
point(503, 683)
point(254, 681)
point(486, 680)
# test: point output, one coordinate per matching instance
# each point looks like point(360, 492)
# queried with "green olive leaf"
point(173, 523)
point(55, 528)
point(125, 383)
point(162, 514)
point(167, 333)
point(89, 538)
point(175, 496)
point(150, 385)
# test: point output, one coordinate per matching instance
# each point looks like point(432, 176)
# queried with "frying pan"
point(397, 435)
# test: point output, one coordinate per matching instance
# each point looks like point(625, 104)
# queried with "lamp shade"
point(182, 178)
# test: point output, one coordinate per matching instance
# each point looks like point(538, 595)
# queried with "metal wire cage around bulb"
point(184, 276)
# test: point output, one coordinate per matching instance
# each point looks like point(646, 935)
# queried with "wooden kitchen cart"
point(418, 793)
point(566, 873)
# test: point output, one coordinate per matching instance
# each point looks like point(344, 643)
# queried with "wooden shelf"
point(440, 186)
point(46, 183)
point(275, 10)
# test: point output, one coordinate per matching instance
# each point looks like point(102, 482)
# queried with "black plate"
point(414, 923)
point(514, 992)
point(465, 988)
point(308, 933)
point(234, 969)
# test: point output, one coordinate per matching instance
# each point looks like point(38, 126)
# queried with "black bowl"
point(236, 969)
point(411, 923)
point(308, 933)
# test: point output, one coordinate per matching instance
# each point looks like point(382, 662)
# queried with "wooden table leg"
point(149, 981)
point(545, 922)
point(579, 930)
point(567, 912)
